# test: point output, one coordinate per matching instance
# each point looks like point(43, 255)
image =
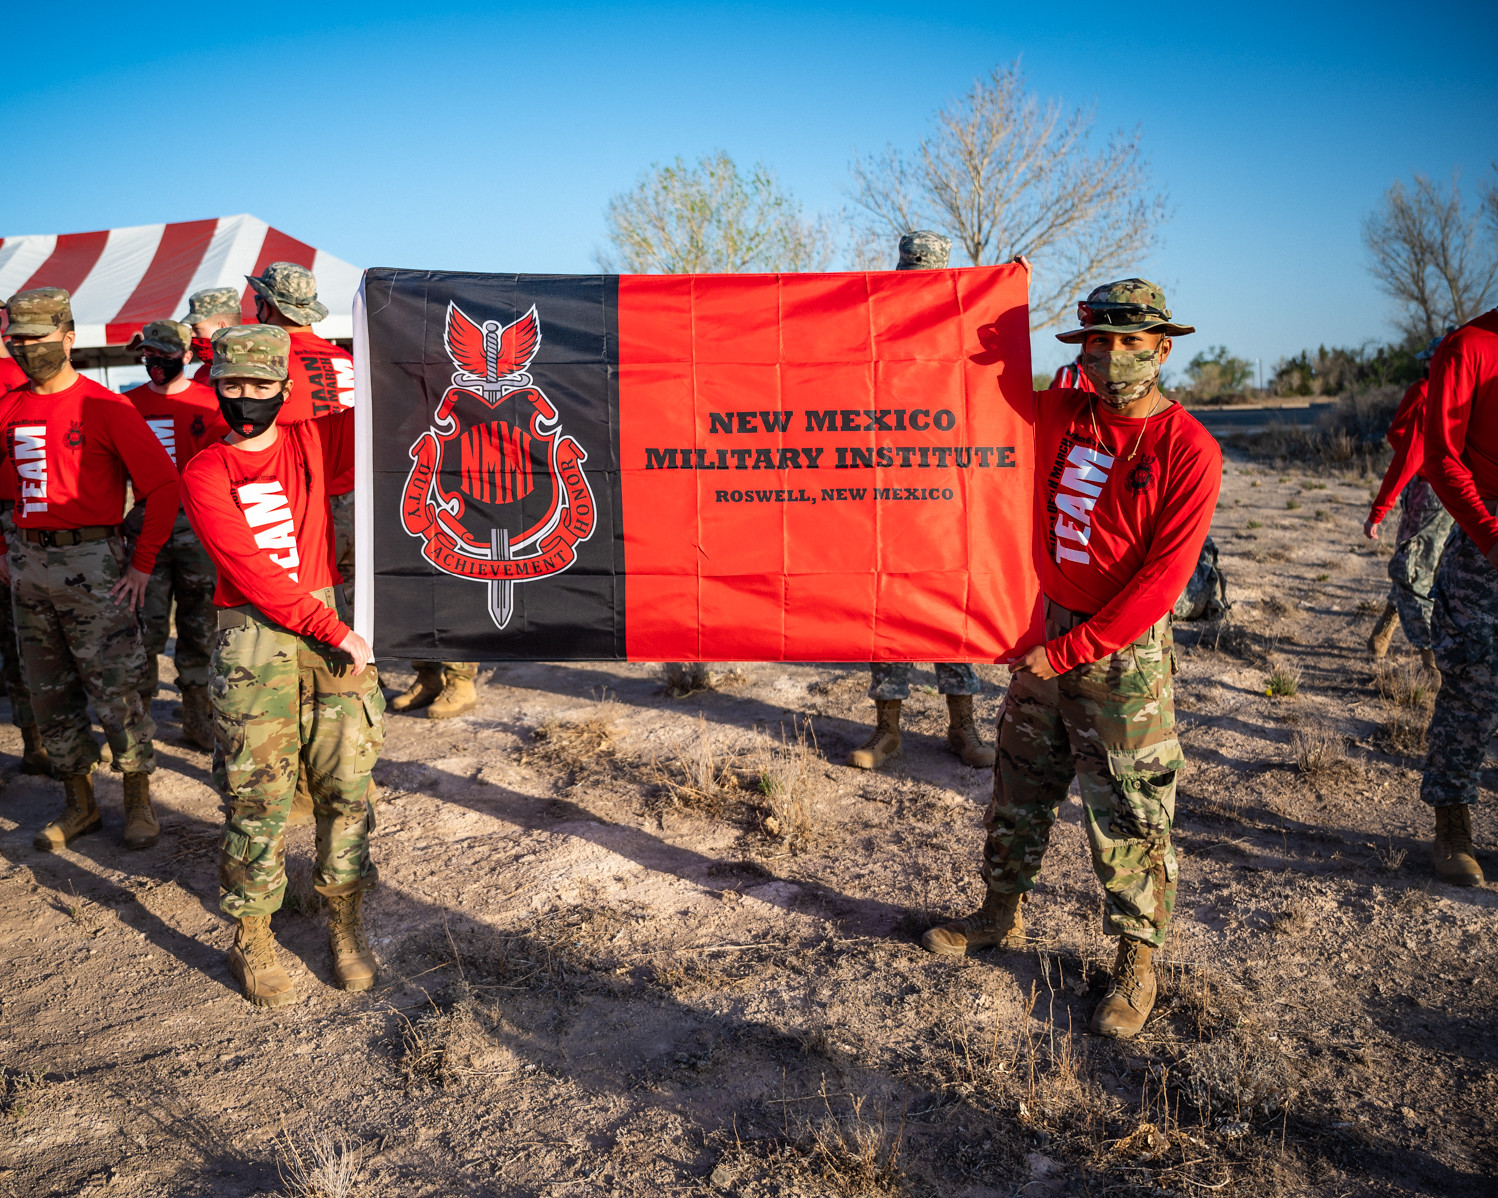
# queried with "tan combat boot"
point(78, 818)
point(962, 733)
point(1131, 994)
point(141, 828)
point(885, 742)
point(353, 962)
point(1451, 854)
point(253, 963)
point(424, 688)
point(457, 698)
point(1383, 632)
point(197, 717)
point(34, 759)
point(998, 921)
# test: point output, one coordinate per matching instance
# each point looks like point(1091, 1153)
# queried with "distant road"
point(1255, 418)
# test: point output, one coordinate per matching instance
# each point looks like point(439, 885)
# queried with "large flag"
point(797, 467)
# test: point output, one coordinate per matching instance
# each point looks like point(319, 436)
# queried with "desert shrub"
point(785, 774)
point(320, 1165)
point(1282, 682)
point(1318, 750)
point(1240, 1076)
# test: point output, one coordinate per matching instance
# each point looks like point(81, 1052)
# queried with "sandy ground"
point(603, 974)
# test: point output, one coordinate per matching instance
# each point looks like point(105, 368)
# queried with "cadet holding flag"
point(293, 694)
point(74, 590)
point(1126, 484)
point(184, 416)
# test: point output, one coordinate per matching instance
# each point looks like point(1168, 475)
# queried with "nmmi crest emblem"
point(496, 490)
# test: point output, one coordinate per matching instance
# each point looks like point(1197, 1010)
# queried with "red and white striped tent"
point(121, 279)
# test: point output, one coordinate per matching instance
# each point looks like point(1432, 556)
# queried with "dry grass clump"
point(1282, 681)
point(1405, 735)
point(580, 746)
point(1410, 693)
point(1319, 750)
point(681, 678)
point(785, 773)
point(321, 1167)
point(1237, 1077)
point(435, 1044)
point(857, 1153)
point(705, 775)
point(19, 1089)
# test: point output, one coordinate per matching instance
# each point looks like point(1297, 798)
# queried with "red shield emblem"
point(497, 491)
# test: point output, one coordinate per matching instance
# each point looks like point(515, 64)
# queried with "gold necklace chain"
point(1139, 440)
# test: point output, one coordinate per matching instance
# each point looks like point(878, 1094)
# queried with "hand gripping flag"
point(800, 467)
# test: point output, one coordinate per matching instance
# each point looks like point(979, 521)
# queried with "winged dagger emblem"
point(491, 358)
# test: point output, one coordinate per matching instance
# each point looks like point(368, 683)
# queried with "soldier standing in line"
point(1461, 462)
point(33, 757)
point(72, 443)
point(1424, 526)
point(1126, 484)
point(208, 311)
point(889, 685)
point(293, 694)
point(185, 418)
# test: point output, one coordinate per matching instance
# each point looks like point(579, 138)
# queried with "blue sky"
point(491, 137)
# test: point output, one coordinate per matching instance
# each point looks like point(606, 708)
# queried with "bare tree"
point(1432, 255)
point(710, 217)
point(1003, 174)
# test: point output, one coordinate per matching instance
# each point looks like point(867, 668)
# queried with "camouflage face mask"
point(40, 360)
point(1123, 376)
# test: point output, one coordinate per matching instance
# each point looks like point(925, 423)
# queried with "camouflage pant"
point(183, 572)
point(21, 714)
point(452, 670)
point(286, 706)
point(1465, 633)
point(1423, 527)
point(79, 645)
point(1113, 724)
point(343, 541)
point(891, 680)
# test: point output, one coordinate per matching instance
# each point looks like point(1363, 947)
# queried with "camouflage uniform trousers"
point(21, 714)
point(1423, 528)
point(286, 706)
point(1113, 724)
point(186, 573)
point(891, 680)
point(79, 645)
point(342, 507)
point(1464, 630)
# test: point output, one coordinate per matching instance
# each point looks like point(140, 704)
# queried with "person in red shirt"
point(208, 311)
point(1461, 462)
point(34, 758)
point(1126, 484)
point(293, 694)
point(72, 444)
point(1423, 527)
point(185, 418)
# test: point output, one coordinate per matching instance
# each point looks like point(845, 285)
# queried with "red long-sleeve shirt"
point(323, 388)
point(1121, 533)
point(1461, 427)
point(12, 379)
point(186, 423)
point(1407, 435)
point(71, 453)
point(263, 517)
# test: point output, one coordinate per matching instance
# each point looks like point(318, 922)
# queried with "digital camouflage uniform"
point(79, 645)
point(185, 572)
point(285, 704)
point(1112, 723)
point(1424, 526)
point(16, 687)
point(212, 303)
point(1464, 628)
point(891, 680)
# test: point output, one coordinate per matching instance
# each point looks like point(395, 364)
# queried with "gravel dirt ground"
point(635, 944)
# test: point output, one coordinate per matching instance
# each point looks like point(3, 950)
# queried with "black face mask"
point(250, 416)
point(162, 369)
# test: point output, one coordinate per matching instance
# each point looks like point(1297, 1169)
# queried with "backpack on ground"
point(1206, 594)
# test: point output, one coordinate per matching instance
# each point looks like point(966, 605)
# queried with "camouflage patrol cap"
point(292, 289)
point(38, 312)
point(923, 249)
point(166, 335)
point(252, 351)
point(1127, 306)
point(210, 303)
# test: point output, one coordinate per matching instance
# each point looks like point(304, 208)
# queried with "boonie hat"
point(38, 312)
point(252, 351)
point(292, 289)
point(1127, 306)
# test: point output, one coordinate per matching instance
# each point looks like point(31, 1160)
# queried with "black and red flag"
point(807, 467)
